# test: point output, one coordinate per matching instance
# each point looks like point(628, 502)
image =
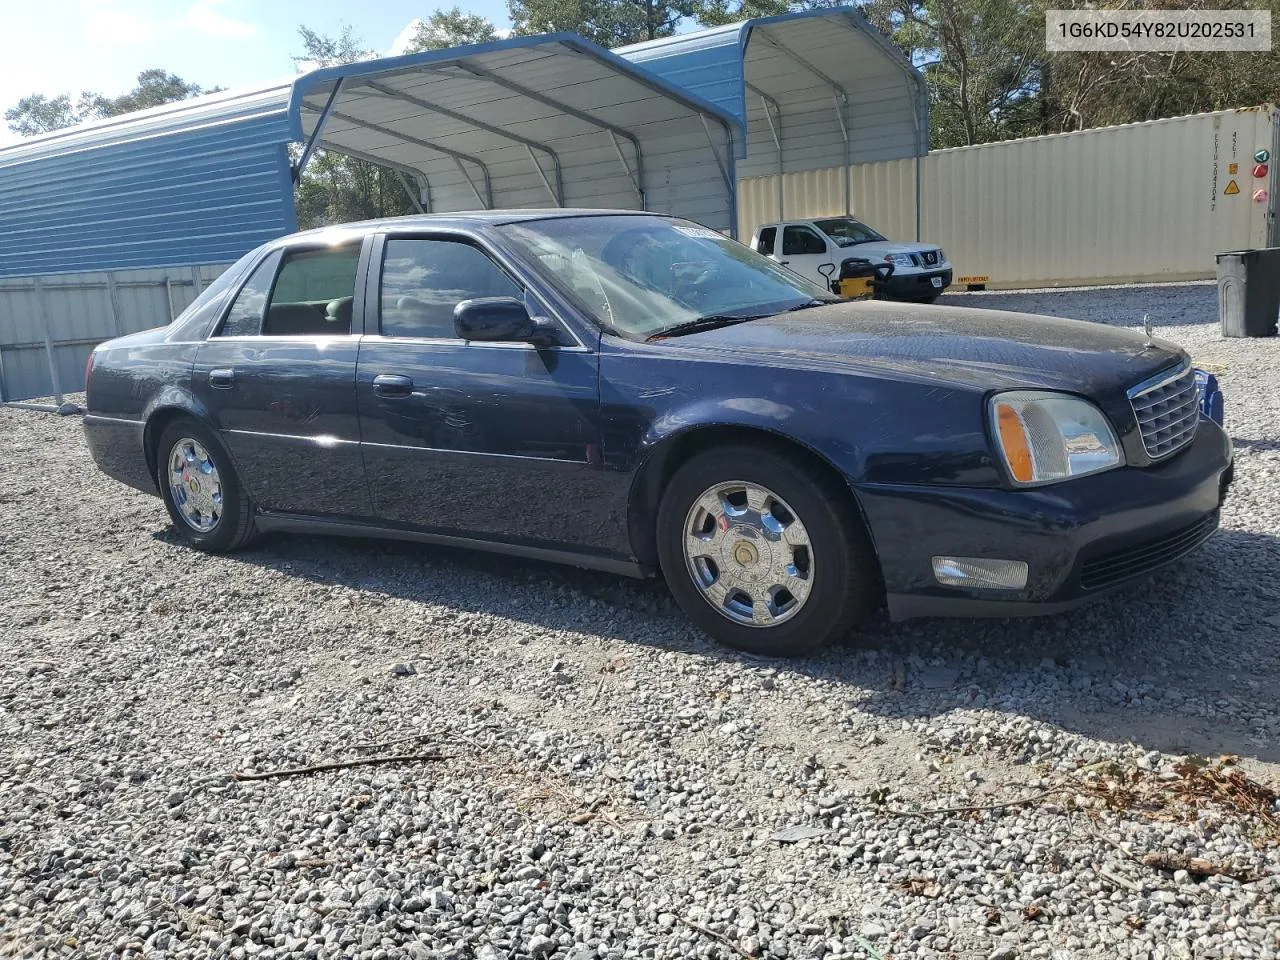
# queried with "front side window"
point(765, 244)
point(801, 240)
point(847, 232)
point(423, 280)
point(639, 275)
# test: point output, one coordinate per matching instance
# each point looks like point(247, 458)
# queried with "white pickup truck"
point(920, 270)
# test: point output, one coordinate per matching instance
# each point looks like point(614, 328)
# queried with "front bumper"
point(916, 286)
point(1081, 539)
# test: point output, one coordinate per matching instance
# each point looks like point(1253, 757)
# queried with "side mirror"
point(501, 319)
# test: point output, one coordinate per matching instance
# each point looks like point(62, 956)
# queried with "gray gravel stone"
point(605, 807)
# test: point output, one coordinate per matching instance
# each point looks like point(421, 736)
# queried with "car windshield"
point(846, 231)
point(642, 275)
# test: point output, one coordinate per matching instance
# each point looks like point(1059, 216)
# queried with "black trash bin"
point(1249, 292)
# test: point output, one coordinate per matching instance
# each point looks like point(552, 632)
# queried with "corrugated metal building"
point(114, 226)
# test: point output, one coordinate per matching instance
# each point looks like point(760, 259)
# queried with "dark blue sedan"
point(640, 394)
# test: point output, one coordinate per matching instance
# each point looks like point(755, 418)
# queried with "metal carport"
point(816, 89)
point(114, 226)
point(546, 121)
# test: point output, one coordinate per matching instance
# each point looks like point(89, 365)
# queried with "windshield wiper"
point(699, 324)
point(808, 304)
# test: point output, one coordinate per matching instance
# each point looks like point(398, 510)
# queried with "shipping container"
point(1139, 202)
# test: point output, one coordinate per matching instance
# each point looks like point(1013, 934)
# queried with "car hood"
point(986, 349)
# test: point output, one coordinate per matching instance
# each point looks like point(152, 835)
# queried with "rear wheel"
point(765, 552)
point(209, 507)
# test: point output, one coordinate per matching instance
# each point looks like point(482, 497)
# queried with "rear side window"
point(801, 240)
point(765, 243)
point(314, 293)
point(244, 319)
point(423, 280)
point(297, 293)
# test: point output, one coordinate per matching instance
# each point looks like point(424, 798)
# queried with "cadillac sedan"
point(640, 394)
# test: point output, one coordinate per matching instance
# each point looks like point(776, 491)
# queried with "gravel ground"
point(614, 786)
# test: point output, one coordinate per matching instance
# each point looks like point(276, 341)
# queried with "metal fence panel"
point(1140, 202)
point(50, 324)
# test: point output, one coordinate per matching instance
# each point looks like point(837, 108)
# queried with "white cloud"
point(117, 25)
point(205, 16)
point(401, 42)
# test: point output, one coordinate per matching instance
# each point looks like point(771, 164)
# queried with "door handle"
point(392, 385)
point(223, 379)
point(784, 262)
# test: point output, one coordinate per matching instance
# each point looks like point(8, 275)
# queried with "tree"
point(981, 60)
point(451, 28)
point(610, 23)
point(36, 114)
point(714, 13)
point(335, 188)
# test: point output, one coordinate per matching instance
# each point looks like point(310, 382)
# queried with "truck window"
point(765, 243)
point(801, 240)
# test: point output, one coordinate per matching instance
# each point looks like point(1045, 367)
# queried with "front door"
point(804, 251)
point(278, 380)
point(496, 441)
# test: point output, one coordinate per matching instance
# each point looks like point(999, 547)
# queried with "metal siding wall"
point(79, 312)
point(1117, 204)
point(200, 195)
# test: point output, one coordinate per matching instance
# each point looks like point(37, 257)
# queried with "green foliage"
point(715, 13)
point(990, 77)
point(37, 114)
point(336, 188)
point(451, 28)
point(610, 23)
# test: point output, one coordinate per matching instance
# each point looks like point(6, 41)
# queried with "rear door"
point(277, 378)
point(804, 250)
point(495, 441)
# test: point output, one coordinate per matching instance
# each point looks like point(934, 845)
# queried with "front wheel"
point(765, 552)
point(209, 506)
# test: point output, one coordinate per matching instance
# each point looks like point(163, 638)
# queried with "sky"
point(66, 46)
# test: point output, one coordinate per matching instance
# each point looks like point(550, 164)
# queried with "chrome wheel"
point(194, 485)
point(748, 553)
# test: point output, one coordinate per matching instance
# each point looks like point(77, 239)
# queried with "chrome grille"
point(1167, 408)
point(930, 258)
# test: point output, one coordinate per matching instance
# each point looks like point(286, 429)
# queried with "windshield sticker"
point(700, 233)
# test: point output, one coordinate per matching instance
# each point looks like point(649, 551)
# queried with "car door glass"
point(423, 280)
point(244, 319)
point(801, 240)
point(765, 244)
point(314, 293)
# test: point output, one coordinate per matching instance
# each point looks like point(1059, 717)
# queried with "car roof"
point(425, 221)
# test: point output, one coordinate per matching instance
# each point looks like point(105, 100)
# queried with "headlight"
point(942, 257)
point(901, 259)
point(1045, 437)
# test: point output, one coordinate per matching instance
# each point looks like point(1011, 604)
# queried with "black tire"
point(930, 298)
point(846, 583)
point(235, 526)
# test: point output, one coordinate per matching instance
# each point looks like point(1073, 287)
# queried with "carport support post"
point(776, 132)
point(315, 134)
point(42, 314)
point(408, 188)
